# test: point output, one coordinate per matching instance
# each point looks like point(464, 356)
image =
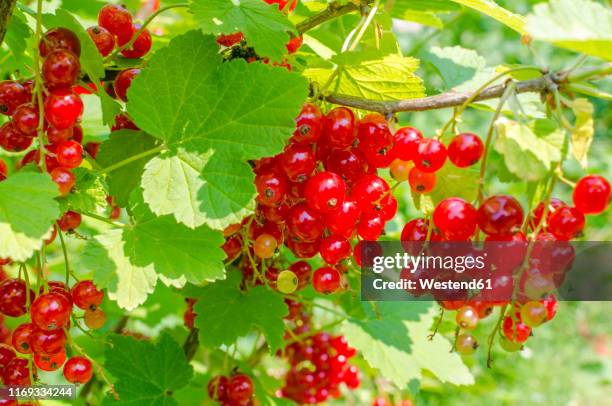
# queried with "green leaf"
point(493, 10)
point(458, 182)
point(582, 136)
point(214, 117)
point(528, 152)
point(147, 373)
point(579, 25)
point(264, 26)
point(88, 195)
point(458, 65)
point(394, 340)
point(110, 108)
point(17, 32)
point(128, 284)
point(123, 145)
point(437, 6)
point(27, 213)
point(223, 302)
point(389, 78)
point(173, 249)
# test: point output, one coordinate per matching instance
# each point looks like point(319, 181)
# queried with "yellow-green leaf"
point(582, 136)
point(493, 10)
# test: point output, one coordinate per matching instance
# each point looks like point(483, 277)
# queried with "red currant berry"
point(63, 108)
point(61, 69)
point(326, 280)
point(456, 218)
point(50, 311)
point(59, 38)
point(69, 221)
point(302, 271)
point(371, 226)
point(551, 303)
point(3, 170)
point(467, 318)
point(415, 230)
point(13, 297)
point(232, 247)
point(339, 127)
point(78, 370)
point(294, 44)
point(50, 362)
point(141, 45)
point(7, 354)
point(421, 182)
point(240, 388)
point(538, 212)
point(373, 133)
point(116, 19)
point(566, 223)
point(500, 215)
point(406, 143)
point(64, 179)
point(217, 388)
point(298, 161)
point(55, 136)
point(12, 95)
point(465, 150)
point(388, 208)
point(16, 372)
point(22, 336)
point(368, 191)
point(334, 249)
point(308, 124)
point(123, 81)
point(430, 156)
point(344, 220)
point(349, 164)
point(69, 154)
point(325, 192)
point(282, 4)
point(25, 119)
point(592, 194)
point(305, 223)
point(47, 342)
point(123, 122)
point(86, 295)
point(516, 331)
point(303, 249)
point(379, 158)
point(272, 188)
point(13, 140)
point(104, 40)
point(227, 40)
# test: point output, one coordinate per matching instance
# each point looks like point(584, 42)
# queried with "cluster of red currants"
point(40, 343)
point(317, 365)
point(236, 390)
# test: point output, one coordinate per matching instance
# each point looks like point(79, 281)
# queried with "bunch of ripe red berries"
point(41, 342)
point(235, 390)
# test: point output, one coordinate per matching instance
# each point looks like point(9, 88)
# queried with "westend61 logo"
point(491, 271)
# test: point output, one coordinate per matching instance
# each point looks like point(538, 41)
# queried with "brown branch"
point(6, 11)
point(332, 11)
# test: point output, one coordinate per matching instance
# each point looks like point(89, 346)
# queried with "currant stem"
point(38, 89)
point(131, 159)
point(65, 252)
point(333, 10)
point(491, 337)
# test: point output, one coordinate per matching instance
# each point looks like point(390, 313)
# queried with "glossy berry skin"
point(467, 317)
point(47, 342)
point(421, 182)
point(69, 154)
point(13, 297)
point(25, 119)
point(64, 179)
point(78, 370)
point(116, 19)
point(592, 194)
point(373, 133)
point(406, 143)
point(95, 319)
point(516, 332)
point(379, 158)
point(326, 280)
point(60, 69)
point(63, 108)
point(50, 311)
point(69, 221)
point(416, 230)
point(334, 249)
point(59, 38)
point(86, 295)
point(217, 388)
point(240, 388)
point(141, 45)
point(368, 190)
point(339, 127)
point(13, 140)
point(305, 223)
point(350, 164)
point(265, 246)
point(500, 215)
point(123, 81)
point(325, 192)
point(344, 220)
point(566, 223)
point(272, 188)
point(371, 226)
point(227, 40)
point(12, 95)
point(298, 161)
point(538, 212)
point(21, 338)
point(50, 362)
point(16, 372)
point(465, 150)
point(308, 124)
point(104, 40)
point(456, 218)
point(431, 155)
point(7, 353)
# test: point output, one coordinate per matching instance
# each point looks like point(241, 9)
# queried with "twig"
point(332, 11)
point(6, 11)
